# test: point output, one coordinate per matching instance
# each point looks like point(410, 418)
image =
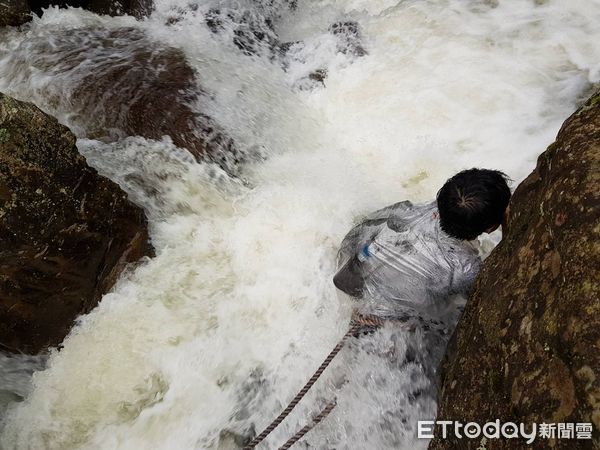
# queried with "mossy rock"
point(65, 232)
point(533, 320)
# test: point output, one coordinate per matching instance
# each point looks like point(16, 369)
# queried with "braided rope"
point(363, 321)
point(316, 420)
point(258, 439)
point(357, 323)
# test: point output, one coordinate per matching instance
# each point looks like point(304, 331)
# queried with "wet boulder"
point(135, 8)
point(18, 12)
point(14, 12)
point(118, 82)
point(252, 32)
point(349, 38)
point(527, 348)
point(252, 29)
point(348, 41)
point(66, 233)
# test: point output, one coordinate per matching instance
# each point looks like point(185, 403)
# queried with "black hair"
point(473, 201)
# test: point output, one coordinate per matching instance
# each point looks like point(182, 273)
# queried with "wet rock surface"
point(349, 38)
point(119, 83)
point(66, 233)
point(528, 346)
point(18, 12)
point(136, 8)
point(254, 33)
point(14, 12)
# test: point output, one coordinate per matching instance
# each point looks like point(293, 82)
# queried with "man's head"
point(473, 202)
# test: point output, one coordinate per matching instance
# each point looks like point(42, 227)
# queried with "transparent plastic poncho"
point(398, 260)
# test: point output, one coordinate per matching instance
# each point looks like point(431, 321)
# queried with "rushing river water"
point(210, 339)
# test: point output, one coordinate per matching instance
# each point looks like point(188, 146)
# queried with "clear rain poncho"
point(399, 261)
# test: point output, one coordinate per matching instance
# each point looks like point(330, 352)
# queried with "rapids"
point(213, 336)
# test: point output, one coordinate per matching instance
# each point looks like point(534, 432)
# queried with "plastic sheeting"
point(398, 259)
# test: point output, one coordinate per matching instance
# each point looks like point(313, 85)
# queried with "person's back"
point(417, 256)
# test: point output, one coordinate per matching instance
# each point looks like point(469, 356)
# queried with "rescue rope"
point(258, 439)
point(357, 322)
point(300, 434)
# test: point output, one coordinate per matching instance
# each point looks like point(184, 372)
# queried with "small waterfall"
point(316, 112)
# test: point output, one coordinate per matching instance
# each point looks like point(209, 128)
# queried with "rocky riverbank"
point(66, 233)
point(527, 348)
point(19, 12)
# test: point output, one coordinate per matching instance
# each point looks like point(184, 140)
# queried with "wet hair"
point(473, 201)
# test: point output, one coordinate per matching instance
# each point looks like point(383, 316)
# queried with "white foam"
point(237, 309)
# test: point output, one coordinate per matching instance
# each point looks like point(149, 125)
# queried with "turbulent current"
point(204, 344)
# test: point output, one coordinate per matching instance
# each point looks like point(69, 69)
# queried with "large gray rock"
point(528, 346)
point(65, 232)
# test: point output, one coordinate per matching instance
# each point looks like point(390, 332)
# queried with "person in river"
point(413, 258)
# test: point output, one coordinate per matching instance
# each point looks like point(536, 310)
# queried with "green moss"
point(593, 100)
point(4, 135)
point(549, 153)
point(494, 380)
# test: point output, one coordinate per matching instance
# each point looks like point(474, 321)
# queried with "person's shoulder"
point(389, 211)
point(404, 205)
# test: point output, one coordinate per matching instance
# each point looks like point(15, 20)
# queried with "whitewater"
point(206, 342)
